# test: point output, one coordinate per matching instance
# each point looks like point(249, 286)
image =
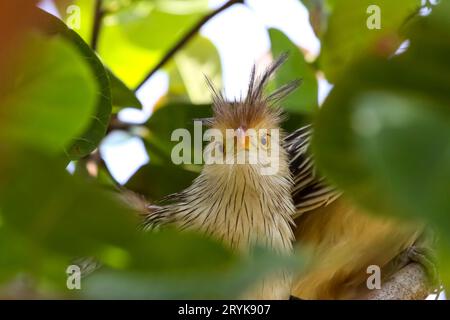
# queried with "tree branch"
point(98, 17)
point(409, 283)
point(185, 39)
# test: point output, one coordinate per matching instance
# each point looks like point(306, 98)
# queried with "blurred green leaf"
point(167, 119)
point(134, 39)
point(200, 58)
point(319, 11)
point(174, 6)
point(348, 36)
point(79, 15)
point(50, 101)
point(15, 256)
point(177, 89)
point(89, 140)
point(383, 133)
point(224, 283)
point(165, 27)
point(122, 96)
point(157, 180)
point(60, 212)
point(305, 98)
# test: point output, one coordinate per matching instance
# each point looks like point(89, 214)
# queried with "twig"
point(185, 39)
point(116, 124)
point(98, 17)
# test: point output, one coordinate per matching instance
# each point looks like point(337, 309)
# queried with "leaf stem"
point(185, 39)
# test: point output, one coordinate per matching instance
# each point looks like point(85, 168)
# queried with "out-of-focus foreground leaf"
point(122, 96)
point(228, 283)
point(305, 98)
point(383, 134)
point(348, 36)
point(200, 58)
point(50, 102)
point(135, 38)
point(89, 140)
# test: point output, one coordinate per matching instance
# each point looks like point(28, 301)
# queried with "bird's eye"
point(264, 140)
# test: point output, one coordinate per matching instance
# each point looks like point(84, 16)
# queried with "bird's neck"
point(240, 208)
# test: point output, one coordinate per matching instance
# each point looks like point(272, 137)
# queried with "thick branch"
point(409, 283)
point(185, 39)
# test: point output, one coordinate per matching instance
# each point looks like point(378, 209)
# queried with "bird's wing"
point(311, 191)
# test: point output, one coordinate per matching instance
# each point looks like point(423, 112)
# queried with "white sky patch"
point(442, 296)
point(48, 6)
point(123, 155)
point(71, 167)
point(240, 34)
point(403, 47)
point(324, 87)
point(241, 40)
point(291, 17)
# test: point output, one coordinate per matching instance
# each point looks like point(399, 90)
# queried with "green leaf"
point(89, 140)
point(218, 282)
point(382, 136)
point(134, 39)
point(78, 15)
point(158, 180)
point(386, 127)
point(122, 96)
point(348, 36)
point(403, 149)
point(319, 11)
point(305, 98)
point(167, 119)
point(59, 212)
point(200, 58)
point(50, 102)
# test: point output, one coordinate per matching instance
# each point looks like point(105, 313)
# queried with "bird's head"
point(246, 134)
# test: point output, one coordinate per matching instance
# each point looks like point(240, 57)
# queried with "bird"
point(296, 206)
point(235, 203)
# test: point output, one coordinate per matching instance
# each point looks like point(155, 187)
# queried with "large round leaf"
point(383, 135)
point(50, 102)
point(94, 133)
